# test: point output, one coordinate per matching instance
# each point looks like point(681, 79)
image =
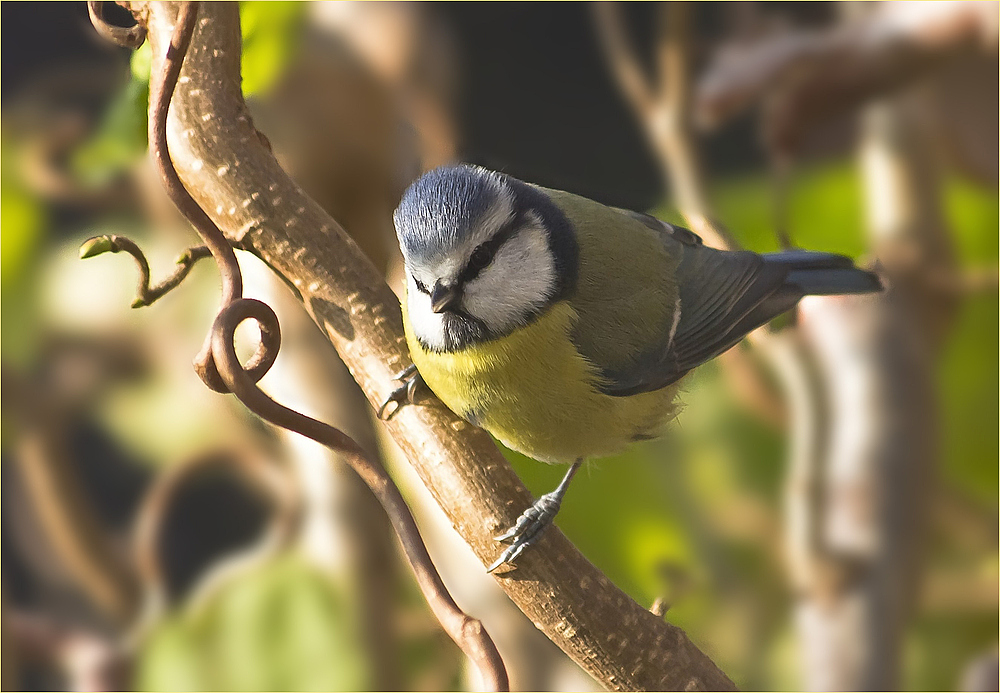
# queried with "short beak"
point(444, 297)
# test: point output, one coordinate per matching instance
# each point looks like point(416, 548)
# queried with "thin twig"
point(781, 173)
point(620, 52)
point(145, 294)
point(221, 359)
point(664, 108)
point(467, 632)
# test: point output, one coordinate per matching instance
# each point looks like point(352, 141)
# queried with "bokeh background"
point(824, 513)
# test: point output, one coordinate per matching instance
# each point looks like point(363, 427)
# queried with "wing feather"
point(634, 280)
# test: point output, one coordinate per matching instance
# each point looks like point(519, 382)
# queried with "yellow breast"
point(535, 393)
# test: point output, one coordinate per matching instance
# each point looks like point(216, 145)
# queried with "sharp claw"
point(528, 523)
point(405, 373)
point(385, 405)
point(404, 393)
point(513, 552)
point(516, 550)
point(411, 390)
point(532, 522)
point(397, 396)
point(518, 529)
point(525, 532)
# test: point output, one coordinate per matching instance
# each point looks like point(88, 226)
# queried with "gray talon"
point(404, 394)
point(405, 373)
point(529, 526)
point(411, 388)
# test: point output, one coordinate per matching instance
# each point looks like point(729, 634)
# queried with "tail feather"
point(837, 281)
point(808, 259)
point(725, 295)
point(822, 274)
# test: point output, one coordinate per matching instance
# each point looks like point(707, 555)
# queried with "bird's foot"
point(527, 529)
point(532, 522)
point(404, 394)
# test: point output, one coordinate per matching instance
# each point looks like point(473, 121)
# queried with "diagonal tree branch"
point(221, 159)
point(220, 368)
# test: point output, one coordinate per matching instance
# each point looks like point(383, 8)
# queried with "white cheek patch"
point(520, 280)
point(427, 325)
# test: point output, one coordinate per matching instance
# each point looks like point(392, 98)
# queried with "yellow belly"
point(535, 393)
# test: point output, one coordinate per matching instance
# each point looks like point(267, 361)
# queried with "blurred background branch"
point(67, 519)
point(862, 433)
point(663, 105)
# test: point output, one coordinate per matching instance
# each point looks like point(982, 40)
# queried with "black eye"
point(420, 286)
point(481, 257)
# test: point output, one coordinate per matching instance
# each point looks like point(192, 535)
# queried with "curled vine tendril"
point(127, 37)
point(221, 370)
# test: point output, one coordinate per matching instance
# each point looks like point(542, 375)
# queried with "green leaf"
point(141, 63)
point(825, 210)
point(270, 38)
point(25, 223)
point(23, 220)
point(283, 626)
point(120, 140)
point(96, 245)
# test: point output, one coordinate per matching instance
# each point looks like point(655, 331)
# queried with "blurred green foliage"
point(120, 140)
point(25, 220)
point(278, 627)
point(270, 37)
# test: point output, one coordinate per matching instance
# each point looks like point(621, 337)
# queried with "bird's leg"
point(529, 526)
point(404, 394)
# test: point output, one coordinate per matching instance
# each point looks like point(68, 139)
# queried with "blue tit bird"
point(562, 326)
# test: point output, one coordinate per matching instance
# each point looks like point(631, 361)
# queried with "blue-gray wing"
point(720, 299)
point(722, 296)
point(654, 302)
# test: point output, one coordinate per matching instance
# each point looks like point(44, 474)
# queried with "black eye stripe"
point(421, 287)
point(488, 250)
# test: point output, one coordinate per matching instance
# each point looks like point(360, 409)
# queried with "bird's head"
point(485, 254)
